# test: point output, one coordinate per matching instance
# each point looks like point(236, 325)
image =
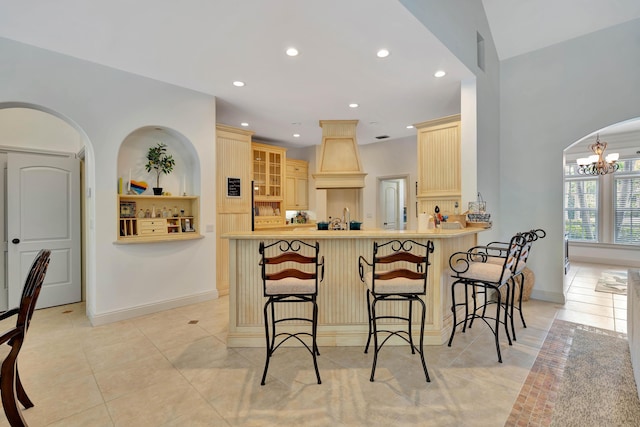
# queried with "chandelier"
point(597, 164)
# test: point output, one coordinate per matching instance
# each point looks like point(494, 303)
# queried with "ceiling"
point(206, 45)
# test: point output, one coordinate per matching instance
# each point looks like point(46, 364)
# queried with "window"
point(581, 208)
point(627, 202)
point(603, 209)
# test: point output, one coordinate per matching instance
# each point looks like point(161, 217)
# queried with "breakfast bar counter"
point(341, 296)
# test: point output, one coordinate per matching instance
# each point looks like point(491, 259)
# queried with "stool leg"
point(466, 305)
point(498, 326)
point(409, 328)
point(315, 351)
point(512, 285)
point(266, 334)
point(454, 310)
point(521, 287)
point(421, 351)
point(474, 297)
point(366, 348)
point(375, 339)
point(506, 311)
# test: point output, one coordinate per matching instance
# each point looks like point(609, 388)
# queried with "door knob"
point(15, 241)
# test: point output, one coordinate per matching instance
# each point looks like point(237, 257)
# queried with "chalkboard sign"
point(233, 187)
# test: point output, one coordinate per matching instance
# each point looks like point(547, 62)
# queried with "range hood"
point(339, 161)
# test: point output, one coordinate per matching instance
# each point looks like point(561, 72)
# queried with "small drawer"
point(152, 226)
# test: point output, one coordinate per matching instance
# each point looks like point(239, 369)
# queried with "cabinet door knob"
point(15, 241)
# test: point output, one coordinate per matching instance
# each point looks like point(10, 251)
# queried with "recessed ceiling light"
point(382, 53)
point(296, 135)
point(440, 73)
point(244, 124)
point(292, 51)
point(410, 127)
point(238, 83)
point(353, 105)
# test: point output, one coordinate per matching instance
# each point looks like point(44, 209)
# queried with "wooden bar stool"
point(398, 272)
point(291, 272)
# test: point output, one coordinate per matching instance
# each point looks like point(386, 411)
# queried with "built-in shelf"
point(147, 219)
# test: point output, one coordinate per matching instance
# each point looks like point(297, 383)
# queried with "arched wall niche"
point(132, 158)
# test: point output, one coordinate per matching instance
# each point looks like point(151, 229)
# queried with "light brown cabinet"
point(268, 166)
point(233, 159)
point(439, 165)
point(297, 185)
point(176, 218)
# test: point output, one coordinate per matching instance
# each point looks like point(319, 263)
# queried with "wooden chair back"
point(10, 384)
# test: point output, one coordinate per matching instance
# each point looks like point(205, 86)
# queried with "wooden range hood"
point(339, 162)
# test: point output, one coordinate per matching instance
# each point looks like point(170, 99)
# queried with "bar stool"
point(294, 282)
point(498, 251)
point(398, 272)
point(482, 274)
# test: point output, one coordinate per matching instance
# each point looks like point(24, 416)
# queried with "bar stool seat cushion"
point(500, 261)
point(486, 272)
point(290, 286)
point(399, 285)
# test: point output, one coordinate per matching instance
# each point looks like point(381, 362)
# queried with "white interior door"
point(390, 195)
point(43, 210)
point(4, 292)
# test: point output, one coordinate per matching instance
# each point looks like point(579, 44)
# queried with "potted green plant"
point(159, 162)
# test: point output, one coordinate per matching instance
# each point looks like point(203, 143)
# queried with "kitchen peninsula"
point(342, 296)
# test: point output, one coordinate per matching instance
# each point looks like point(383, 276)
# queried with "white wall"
point(18, 129)
point(381, 159)
point(105, 105)
point(531, 107)
point(456, 23)
point(550, 99)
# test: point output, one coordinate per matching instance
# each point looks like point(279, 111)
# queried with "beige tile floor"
point(173, 369)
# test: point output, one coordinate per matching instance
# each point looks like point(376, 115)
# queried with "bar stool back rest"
point(290, 252)
point(401, 254)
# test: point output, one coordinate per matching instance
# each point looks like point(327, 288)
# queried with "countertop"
point(311, 233)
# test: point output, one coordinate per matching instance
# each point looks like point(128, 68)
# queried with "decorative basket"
point(479, 217)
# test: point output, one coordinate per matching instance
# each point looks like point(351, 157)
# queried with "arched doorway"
point(38, 134)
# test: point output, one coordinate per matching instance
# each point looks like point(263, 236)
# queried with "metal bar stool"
point(398, 272)
point(497, 252)
point(482, 273)
point(285, 279)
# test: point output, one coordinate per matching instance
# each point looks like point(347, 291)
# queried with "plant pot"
point(157, 191)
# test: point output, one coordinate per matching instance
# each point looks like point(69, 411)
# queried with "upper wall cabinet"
point(439, 170)
point(268, 172)
point(297, 194)
point(268, 164)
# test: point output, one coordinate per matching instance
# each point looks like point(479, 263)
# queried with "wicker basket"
point(479, 217)
point(529, 280)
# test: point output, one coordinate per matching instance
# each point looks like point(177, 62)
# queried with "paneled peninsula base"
point(341, 296)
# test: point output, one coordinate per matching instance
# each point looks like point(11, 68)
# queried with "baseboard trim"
point(557, 297)
point(142, 310)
